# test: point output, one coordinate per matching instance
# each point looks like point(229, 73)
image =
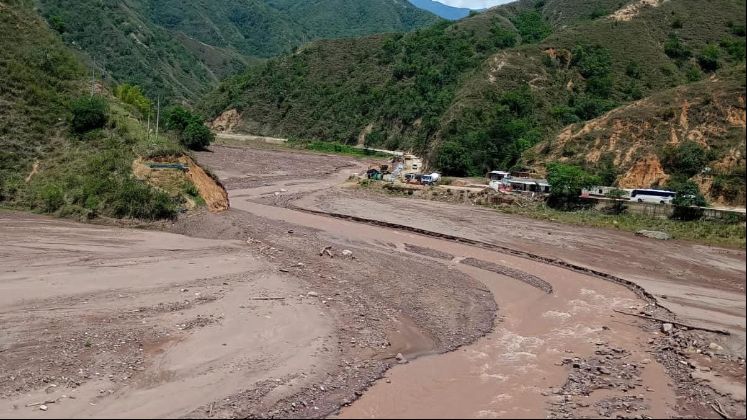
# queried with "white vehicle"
point(430, 179)
point(652, 196)
point(495, 178)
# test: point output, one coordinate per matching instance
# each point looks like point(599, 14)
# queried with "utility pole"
point(93, 77)
point(158, 115)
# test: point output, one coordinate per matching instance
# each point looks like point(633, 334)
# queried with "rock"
point(43, 407)
point(715, 347)
point(347, 253)
point(312, 294)
point(654, 234)
point(666, 328)
point(400, 358)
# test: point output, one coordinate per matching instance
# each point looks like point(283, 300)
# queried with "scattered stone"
point(666, 328)
point(400, 358)
point(715, 347)
point(43, 407)
point(347, 253)
point(654, 234)
point(326, 251)
point(312, 294)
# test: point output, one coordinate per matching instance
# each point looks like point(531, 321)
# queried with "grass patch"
point(337, 148)
point(708, 232)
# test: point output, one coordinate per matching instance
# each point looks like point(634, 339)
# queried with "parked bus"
point(496, 179)
point(652, 196)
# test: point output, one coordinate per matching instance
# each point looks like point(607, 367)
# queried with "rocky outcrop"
point(645, 172)
point(227, 121)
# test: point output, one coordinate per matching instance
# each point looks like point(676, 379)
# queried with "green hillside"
point(181, 49)
point(477, 94)
point(62, 149)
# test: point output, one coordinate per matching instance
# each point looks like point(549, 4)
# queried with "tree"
point(502, 37)
point(132, 95)
point(688, 200)
point(453, 159)
point(618, 205)
point(178, 118)
point(196, 136)
point(89, 113)
point(566, 184)
point(531, 26)
point(592, 60)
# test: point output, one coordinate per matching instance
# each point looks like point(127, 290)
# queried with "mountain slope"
point(641, 141)
point(476, 94)
point(440, 9)
point(180, 49)
point(44, 165)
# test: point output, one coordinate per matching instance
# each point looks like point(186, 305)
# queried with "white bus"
point(495, 178)
point(652, 196)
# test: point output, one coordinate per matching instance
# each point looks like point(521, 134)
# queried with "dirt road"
point(271, 311)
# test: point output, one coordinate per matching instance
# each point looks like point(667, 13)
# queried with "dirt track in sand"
point(123, 303)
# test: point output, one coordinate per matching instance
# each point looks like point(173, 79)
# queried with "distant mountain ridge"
point(442, 10)
point(496, 91)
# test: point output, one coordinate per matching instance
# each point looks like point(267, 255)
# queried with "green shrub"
point(57, 23)
point(688, 195)
point(502, 37)
point(677, 23)
point(89, 113)
point(132, 95)
point(196, 136)
point(675, 49)
point(686, 159)
point(566, 183)
point(734, 47)
point(618, 206)
point(708, 58)
point(592, 60)
point(178, 118)
point(454, 159)
point(633, 69)
point(693, 73)
point(531, 26)
point(132, 198)
point(738, 30)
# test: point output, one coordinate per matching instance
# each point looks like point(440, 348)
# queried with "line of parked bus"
point(503, 181)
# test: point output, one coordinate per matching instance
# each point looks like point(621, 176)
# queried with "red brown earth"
point(244, 314)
